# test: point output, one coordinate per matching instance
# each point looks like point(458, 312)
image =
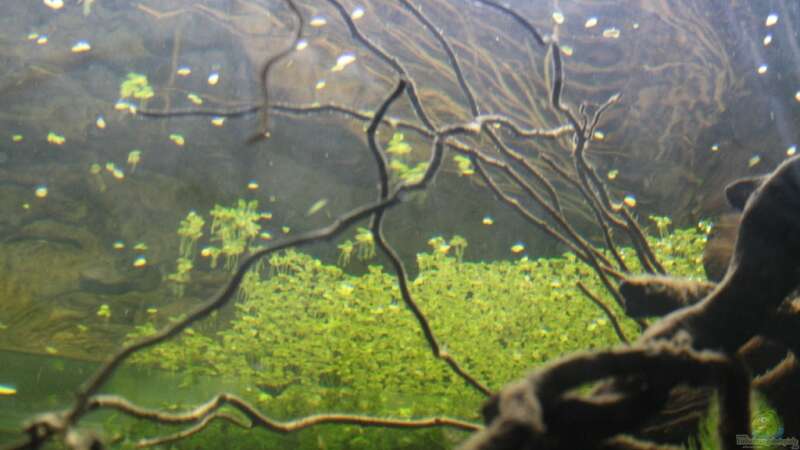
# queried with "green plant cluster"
point(135, 86)
point(464, 165)
point(680, 251)
point(406, 170)
point(190, 230)
point(308, 337)
point(233, 229)
point(310, 324)
point(400, 164)
point(764, 422)
point(441, 246)
point(364, 247)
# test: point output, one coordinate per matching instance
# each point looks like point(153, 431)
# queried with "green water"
point(47, 383)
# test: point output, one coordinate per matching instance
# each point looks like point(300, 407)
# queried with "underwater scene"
point(399, 224)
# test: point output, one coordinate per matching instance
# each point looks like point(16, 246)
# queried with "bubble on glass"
point(41, 191)
point(213, 78)
point(753, 161)
point(301, 45)
point(791, 151)
point(558, 17)
point(771, 20)
point(611, 33)
point(629, 201)
point(55, 138)
point(715, 148)
point(54, 4)
point(343, 61)
point(358, 12)
point(124, 105)
point(318, 21)
point(767, 40)
point(762, 69)
point(590, 22)
point(81, 47)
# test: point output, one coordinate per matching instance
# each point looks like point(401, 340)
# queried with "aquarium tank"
point(399, 224)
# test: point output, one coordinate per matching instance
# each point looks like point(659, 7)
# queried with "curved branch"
point(204, 414)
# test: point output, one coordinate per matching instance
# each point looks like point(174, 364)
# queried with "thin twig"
point(263, 132)
point(600, 304)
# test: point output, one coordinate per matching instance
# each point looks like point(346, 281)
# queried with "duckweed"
point(345, 252)
point(135, 86)
point(464, 165)
point(398, 146)
point(190, 230)
point(365, 244)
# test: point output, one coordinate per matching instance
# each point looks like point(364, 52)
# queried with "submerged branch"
point(201, 416)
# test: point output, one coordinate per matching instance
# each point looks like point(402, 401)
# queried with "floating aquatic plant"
point(464, 165)
point(234, 227)
point(190, 230)
point(662, 224)
point(104, 311)
point(345, 252)
point(398, 146)
point(135, 86)
point(365, 244)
